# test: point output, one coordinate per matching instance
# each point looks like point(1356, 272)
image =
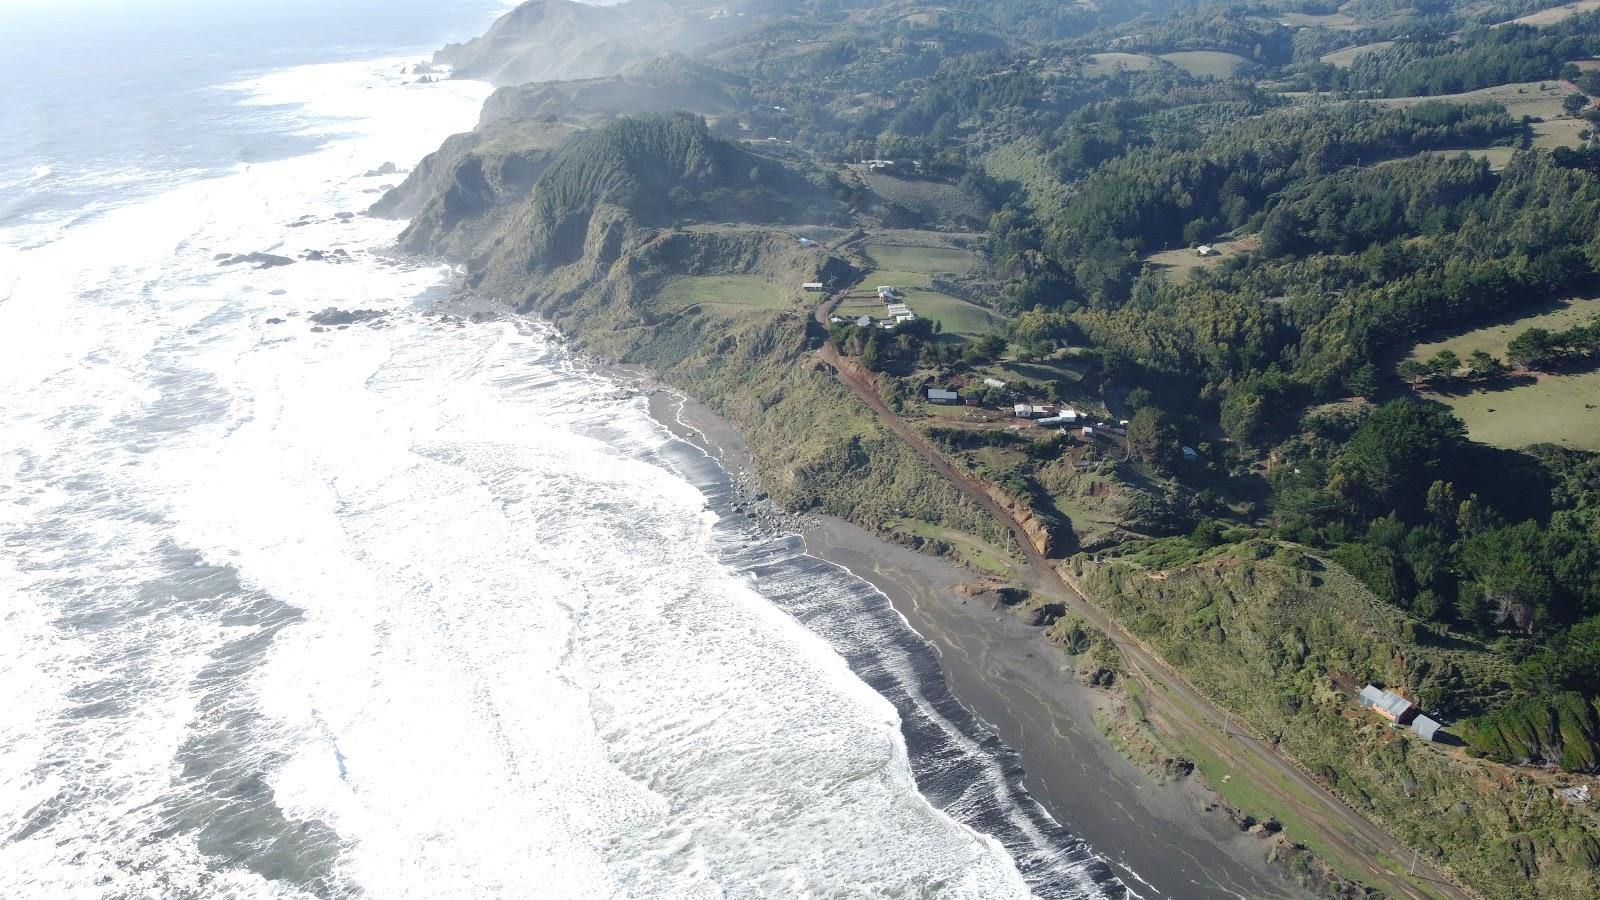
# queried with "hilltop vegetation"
point(1037, 178)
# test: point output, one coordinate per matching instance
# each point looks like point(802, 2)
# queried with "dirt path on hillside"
point(1170, 700)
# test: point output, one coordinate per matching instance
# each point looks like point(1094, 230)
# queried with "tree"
point(871, 355)
point(1572, 104)
point(1414, 371)
point(1153, 438)
point(1532, 348)
point(1444, 363)
point(1394, 456)
point(1482, 365)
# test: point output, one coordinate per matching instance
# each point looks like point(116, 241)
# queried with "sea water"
point(415, 606)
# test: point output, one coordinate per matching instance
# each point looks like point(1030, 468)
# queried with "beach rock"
point(333, 316)
point(1100, 677)
point(259, 260)
point(1047, 614)
point(274, 321)
point(334, 256)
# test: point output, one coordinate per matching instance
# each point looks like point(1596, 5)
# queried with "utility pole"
point(1227, 719)
point(1413, 861)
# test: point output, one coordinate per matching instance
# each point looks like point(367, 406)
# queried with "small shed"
point(1023, 411)
point(813, 286)
point(864, 322)
point(1388, 704)
point(886, 289)
point(1205, 250)
point(943, 397)
point(1425, 727)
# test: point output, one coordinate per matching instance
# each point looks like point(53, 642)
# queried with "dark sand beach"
point(1165, 837)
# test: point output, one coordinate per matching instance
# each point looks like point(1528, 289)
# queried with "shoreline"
point(1162, 837)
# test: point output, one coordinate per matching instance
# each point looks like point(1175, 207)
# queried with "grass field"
point(730, 292)
point(977, 554)
point(1337, 21)
point(1060, 370)
point(1106, 63)
point(1343, 58)
point(924, 260)
point(1201, 63)
point(1180, 264)
point(1495, 336)
point(956, 315)
point(1540, 99)
point(1498, 157)
point(1556, 14)
point(1558, 409)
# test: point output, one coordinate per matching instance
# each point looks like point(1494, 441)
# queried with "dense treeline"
point(1441, 63)
point(1150, 199)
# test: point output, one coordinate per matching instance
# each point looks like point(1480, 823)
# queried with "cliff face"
point(527, 197)
point(470, 175)
point(593, 240)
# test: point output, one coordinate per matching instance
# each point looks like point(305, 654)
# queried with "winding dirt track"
point(1171, 701)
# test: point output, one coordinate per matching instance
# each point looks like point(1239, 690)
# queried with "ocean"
point(396, 604)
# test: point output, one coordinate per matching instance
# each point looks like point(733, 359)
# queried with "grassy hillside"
point(1283, 638)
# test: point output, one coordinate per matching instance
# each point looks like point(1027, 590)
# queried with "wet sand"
point(1165, 838)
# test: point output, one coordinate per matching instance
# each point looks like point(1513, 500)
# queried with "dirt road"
point(1170, 700)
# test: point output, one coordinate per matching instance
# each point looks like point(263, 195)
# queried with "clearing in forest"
point(1557, 14)
point(1343, 58)
point(1555, 409)
point(1201, 63)
point(1107, 63)
point(1552, 127)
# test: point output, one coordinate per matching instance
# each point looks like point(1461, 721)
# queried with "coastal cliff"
point(597, 244)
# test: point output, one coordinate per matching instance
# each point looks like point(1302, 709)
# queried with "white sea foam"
point(296, 611)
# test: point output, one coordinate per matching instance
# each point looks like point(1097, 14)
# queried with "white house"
point(814, 286)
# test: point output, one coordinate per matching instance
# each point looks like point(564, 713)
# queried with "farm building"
point(899, 309)
point(886, 289)
point(942, 396)
point(1388, 704)
point(1425, 727)
point(1065, 417)
point(1025, 411)
point(813, 286)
